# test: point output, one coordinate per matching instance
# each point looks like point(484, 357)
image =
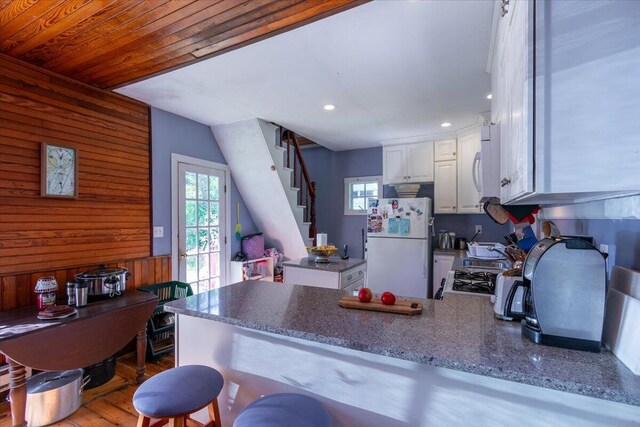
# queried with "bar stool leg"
point(177, 422)
point(214, 413)
point(143, 421)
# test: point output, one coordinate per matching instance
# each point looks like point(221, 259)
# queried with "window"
point(358, 191)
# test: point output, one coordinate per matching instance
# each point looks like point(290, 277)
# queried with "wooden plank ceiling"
point(109, 43)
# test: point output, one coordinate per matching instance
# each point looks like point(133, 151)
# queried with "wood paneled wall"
point(110, 221)
point(17, 290)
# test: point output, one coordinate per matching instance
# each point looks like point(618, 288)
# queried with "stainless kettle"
point(446, 240)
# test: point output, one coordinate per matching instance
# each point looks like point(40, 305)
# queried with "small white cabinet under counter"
point(336, 274)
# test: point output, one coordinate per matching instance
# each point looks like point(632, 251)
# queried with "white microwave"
point(489, 158)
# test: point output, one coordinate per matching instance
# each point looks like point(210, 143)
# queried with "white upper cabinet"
point(407, 163)
point(469, 173)
point(513, 88)
point(394, 161)
point(586, 95)
point(420, 162)
point(445, 187)
point(444, 150)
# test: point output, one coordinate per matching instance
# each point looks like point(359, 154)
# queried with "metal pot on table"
point(52, 396)
point(104, 281)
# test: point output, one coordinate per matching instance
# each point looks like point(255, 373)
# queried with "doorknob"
point(182, 255)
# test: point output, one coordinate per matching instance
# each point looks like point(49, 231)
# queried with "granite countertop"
point(335, 264)
point(459, 332)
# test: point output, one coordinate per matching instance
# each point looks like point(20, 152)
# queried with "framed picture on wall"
point(59, 171)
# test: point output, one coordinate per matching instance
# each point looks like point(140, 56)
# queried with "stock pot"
point(52, 396)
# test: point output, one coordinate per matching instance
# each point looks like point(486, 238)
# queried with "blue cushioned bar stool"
point(171, 396)
point(284, 410)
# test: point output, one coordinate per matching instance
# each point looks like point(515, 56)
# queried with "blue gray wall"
point(171, 133)
point(622, 236)
point(329, 169)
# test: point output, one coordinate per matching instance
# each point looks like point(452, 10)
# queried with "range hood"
point(407, 190)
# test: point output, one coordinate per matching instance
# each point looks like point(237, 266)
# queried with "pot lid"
point(47, 381)
point(101, 272)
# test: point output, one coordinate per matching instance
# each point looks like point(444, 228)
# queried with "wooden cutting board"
point(401, 306)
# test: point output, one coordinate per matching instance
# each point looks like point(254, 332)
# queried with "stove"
point(472, 282)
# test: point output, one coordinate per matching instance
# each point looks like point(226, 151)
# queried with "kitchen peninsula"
point(444, 367)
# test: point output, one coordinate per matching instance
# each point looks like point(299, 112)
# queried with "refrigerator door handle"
point(424, 259)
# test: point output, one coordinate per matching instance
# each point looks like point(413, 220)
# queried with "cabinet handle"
point(360, 272)
point(350, 277)
point(453, 154)
point(505, 182)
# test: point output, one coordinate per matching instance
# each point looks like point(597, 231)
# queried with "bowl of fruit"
point(322, 253)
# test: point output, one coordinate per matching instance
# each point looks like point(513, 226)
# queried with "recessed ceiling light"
point(445, 124)
point(329, 107)
point(489, 96)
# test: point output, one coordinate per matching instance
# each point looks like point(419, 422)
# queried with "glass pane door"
point(202, 231)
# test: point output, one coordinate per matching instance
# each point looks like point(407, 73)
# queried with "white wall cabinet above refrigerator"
point(586, 95)
point(407, 163)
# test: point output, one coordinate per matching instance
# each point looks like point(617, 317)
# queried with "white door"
point(442, 264)
point(420, 162)
point(445, 189)
point(201, 221)
point(394, 164)
point(400, 266)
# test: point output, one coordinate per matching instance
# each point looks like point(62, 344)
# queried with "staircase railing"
point(307, 194)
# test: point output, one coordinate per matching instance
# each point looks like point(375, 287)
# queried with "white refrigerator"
point(399, 246)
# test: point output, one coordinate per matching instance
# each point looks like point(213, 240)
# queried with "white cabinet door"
point(407, 163)
point(469, 173)
point(445, 187)
point(394, 163)
point(420, 162)
point(442, 264)
point(444, 150)
point(515, 91)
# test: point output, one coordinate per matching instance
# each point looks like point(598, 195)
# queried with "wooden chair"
point(171, 396)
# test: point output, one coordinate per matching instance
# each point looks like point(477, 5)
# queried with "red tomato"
point(388, 298)
point(364, 295)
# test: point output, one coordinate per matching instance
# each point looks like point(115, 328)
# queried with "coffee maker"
point(564, 295)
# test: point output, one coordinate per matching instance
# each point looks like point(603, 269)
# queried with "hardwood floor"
point(110, 404)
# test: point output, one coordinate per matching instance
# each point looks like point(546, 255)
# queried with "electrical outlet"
point(604, 249)
point(479, 229)
point(158, 232)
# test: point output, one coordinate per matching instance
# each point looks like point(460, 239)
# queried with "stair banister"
point(307, 194)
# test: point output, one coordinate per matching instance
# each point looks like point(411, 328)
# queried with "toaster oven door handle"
point(510, 298)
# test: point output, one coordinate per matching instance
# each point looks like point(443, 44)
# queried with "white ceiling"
point(393, 69)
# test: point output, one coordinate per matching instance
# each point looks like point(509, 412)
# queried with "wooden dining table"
point(99, 330)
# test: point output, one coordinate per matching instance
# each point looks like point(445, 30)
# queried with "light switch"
point(158, 232)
